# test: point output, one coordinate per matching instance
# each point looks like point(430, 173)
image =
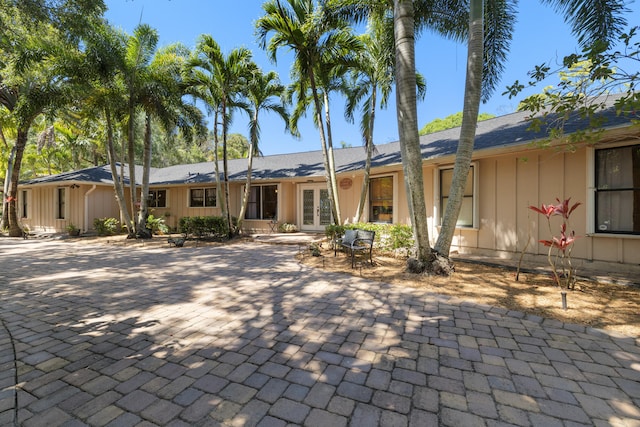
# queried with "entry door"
point(315, 211)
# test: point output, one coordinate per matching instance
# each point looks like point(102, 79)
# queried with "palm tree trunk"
point(406, 105)
point(117, 184)
point(4, 222)
point(323, 144)
point(332, 163)
point(14, 224)
point(142, 230)
point(464, 152)
point(247, 188)
point(369, 149)
point(225, 166)
point(133, 197)
point(216, 166)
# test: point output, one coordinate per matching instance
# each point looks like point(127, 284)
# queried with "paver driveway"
point(244, 335)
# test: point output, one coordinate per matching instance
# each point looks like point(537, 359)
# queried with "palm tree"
point(372, 77)
point(228, 76)
point(139, 54)
point(105, 100)
point(260, 91)
point(320, 43)
point(161, 98)
point(591, 20)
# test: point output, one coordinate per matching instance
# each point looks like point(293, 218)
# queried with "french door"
point(315, 207)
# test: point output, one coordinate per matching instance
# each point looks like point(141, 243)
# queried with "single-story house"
point(509, 173)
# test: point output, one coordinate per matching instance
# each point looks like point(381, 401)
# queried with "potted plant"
point(73, 230)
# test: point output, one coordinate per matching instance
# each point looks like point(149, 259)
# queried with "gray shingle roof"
point(510, 130)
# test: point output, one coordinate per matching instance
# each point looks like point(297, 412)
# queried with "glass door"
point(315, 211)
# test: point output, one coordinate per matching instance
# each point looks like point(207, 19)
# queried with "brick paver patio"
point(243, 335)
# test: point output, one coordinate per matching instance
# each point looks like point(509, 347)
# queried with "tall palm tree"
point(261, 90)
point(161, 99)
point(320, 43)
point(590, 20)
point(141, 47)
point(228, 76)
point(372, 77)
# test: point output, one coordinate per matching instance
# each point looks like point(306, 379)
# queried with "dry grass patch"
point(614, 308)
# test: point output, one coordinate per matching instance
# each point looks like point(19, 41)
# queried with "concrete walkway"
point(243, 335)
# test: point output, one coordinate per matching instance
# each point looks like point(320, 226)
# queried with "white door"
point(315, 207)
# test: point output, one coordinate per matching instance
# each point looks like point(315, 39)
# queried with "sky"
point(540, 36)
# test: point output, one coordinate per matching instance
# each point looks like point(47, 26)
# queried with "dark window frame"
point(381, 208)
point(261, 204)
point(208, 197)
point(608, 162)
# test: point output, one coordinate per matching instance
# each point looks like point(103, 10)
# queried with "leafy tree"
point(38, 43)
point(583, 81)
point(449, 122)
point(320, 43)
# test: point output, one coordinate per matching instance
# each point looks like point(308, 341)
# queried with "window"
point(468, 208)
point(157, 199)
point(617, 184)
point(381, 199)
point(24, 204)
point(263, 202)
point(202, 197)
point(61, 203)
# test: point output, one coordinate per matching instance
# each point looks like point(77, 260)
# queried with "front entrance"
point(315, 209)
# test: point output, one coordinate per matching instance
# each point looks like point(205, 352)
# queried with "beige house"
point(509, 173)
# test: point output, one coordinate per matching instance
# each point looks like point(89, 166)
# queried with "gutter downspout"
point(86, 208)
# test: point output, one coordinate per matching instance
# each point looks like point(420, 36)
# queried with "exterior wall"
point(98, 202)
point(508, 184)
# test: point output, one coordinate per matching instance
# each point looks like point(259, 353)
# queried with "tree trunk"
point(368, 141)
point(133, 197)
point(323, 144)
point(404, 36)
point(464, 152)
point(332, 163)
point(247, 188)
point(117, 184)
point(216, 166)
point(15, 230)
point(225, 166)
point(142, 230)
point(4, 222)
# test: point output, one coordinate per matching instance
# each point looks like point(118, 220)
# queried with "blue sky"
point(540, 36)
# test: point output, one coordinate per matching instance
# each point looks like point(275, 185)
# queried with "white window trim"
point(394, 216)
point(436, 196)
point(591, 191)
point(189, 197)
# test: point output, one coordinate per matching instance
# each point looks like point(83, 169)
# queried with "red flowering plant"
point(563, 270)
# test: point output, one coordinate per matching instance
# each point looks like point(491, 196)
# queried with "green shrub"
point(204, 226)
point(105, 226)
point(157, 225)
